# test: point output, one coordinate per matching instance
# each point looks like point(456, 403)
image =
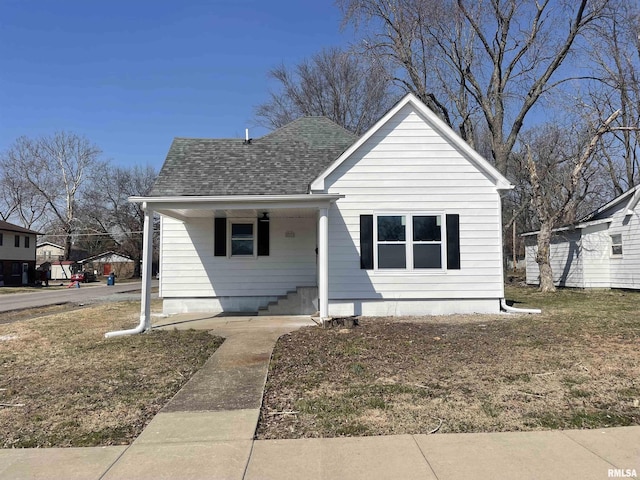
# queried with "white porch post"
point(323, 262)
point(147, 260)
point(145, 303)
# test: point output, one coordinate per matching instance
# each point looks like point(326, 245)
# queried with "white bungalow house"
point(403, 220)
point(600, 251)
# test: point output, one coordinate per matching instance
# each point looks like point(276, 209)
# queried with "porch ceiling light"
point(265, 217)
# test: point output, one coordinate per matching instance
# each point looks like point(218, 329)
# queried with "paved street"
point(85, 294)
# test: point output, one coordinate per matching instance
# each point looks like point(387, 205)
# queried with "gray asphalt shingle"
point(283, 162)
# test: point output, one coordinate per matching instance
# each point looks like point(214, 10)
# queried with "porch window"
point(242, 239)
point(616, 244)
point(411, 242)
point(236, 238)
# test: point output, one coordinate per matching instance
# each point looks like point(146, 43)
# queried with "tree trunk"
point(67, 244)
point(543, 259)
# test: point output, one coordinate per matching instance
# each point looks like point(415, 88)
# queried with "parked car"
point(83, 277)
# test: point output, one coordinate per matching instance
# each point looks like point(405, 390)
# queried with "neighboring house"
point(601, 251)
point(17, 254)
point(403, 220)
point(50, 256)
point(109, 262)
point(49, 252)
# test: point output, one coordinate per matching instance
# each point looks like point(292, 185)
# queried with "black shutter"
point(366, 242)
point(220, 237)
point(453, 242)
point(263, 238)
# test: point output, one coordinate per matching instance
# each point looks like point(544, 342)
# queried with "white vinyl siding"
point(625, 268)
point(596, 252)
point(566, 260)
point(408, 167)
point(189, 268)
point(585, 259)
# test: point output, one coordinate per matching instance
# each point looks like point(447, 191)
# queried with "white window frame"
point(242, 221)
point(616, 244)
point(409, 242)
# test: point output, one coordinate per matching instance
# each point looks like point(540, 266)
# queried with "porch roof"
point(185, 207)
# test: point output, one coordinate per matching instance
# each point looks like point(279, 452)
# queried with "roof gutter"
point(304, 197)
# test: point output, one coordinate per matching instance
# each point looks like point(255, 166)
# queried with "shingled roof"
point(283, 162)
point(10, 227)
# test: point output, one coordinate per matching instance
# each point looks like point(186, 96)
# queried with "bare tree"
point(345, 87)
point(561, 176)
point(615, 52)
point(106, 208)
point(471, 60)
point(55, 167)
point(19, 201)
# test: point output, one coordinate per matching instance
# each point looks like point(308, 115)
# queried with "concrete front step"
point(302, 301)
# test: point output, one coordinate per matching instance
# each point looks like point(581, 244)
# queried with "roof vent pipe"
point(247, 140)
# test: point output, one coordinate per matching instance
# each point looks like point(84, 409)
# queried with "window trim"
point(616, 244)
point(409, 242)
point(242, 221)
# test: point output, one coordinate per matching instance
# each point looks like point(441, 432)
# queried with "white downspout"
point(145, 303)
point(508, 309)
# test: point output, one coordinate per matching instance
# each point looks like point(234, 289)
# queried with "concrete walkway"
point(206, 432)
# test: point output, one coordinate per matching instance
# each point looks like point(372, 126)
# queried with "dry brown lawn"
point(63, 384)
point(575, 366)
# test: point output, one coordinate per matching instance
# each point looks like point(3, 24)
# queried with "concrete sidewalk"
point(206, 432)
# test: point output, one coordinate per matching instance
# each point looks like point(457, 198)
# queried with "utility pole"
point(513, 242)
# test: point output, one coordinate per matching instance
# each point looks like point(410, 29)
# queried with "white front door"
point(25, 273)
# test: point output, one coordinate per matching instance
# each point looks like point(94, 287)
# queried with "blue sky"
point(131, 75)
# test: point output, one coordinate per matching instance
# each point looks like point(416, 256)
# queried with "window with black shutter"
point(410, 241)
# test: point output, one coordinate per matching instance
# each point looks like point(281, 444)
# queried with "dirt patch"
point(63, 384)
point(575, 366)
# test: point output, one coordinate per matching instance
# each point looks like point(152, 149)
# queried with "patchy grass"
point(575, 366)
point(63, 384)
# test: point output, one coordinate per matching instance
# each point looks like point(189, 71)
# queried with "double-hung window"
point(427, 241)
point(392, 241)
point(242, 239)
point(409, 241)
point(616, 244)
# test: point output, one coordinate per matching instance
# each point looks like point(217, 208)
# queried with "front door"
point(107, 269)
point(25, 273)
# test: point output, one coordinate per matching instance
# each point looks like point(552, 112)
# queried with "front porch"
point(239, 254)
